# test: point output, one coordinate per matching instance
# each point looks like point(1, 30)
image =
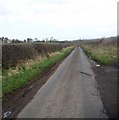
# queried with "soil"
point(15, 102)
point(106, 77)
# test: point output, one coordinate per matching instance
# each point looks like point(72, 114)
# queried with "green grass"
point(102, 54)
point(15, 82)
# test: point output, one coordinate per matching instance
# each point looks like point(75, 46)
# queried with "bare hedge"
point(12, 54)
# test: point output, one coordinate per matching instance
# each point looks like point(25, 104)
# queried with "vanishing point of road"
point(71, 92)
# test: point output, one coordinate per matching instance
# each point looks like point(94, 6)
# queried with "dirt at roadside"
point(106, 77)
point(16, 101)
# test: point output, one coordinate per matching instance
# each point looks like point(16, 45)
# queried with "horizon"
point(60, 40)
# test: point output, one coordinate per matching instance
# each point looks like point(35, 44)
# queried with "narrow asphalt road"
point(71, 92)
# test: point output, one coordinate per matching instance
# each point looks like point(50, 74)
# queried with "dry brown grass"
point(28, 64)
point(103, 50)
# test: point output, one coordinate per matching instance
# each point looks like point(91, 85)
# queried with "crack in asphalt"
point(85, 73)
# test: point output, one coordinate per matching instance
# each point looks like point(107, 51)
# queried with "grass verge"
point(102, 54)
point(19, 80)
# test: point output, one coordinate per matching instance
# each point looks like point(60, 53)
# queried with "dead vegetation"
point(104, 50)
point(15, 54)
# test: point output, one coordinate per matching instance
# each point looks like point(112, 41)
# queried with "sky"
point(61, 19)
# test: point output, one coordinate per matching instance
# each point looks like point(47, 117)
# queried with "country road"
point(71, 92)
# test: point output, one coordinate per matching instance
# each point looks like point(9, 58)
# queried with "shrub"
point(13, 54)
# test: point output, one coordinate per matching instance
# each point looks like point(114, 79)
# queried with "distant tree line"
point(6, 40)
point(29, 40)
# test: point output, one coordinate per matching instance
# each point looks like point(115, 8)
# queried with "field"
point(104, 50)
point(24, 62)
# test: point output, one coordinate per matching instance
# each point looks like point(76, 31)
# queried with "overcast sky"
point(61, 19)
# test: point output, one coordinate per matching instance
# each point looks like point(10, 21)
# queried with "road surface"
point(71, 92)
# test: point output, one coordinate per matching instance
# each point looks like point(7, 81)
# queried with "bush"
point(12, 54)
